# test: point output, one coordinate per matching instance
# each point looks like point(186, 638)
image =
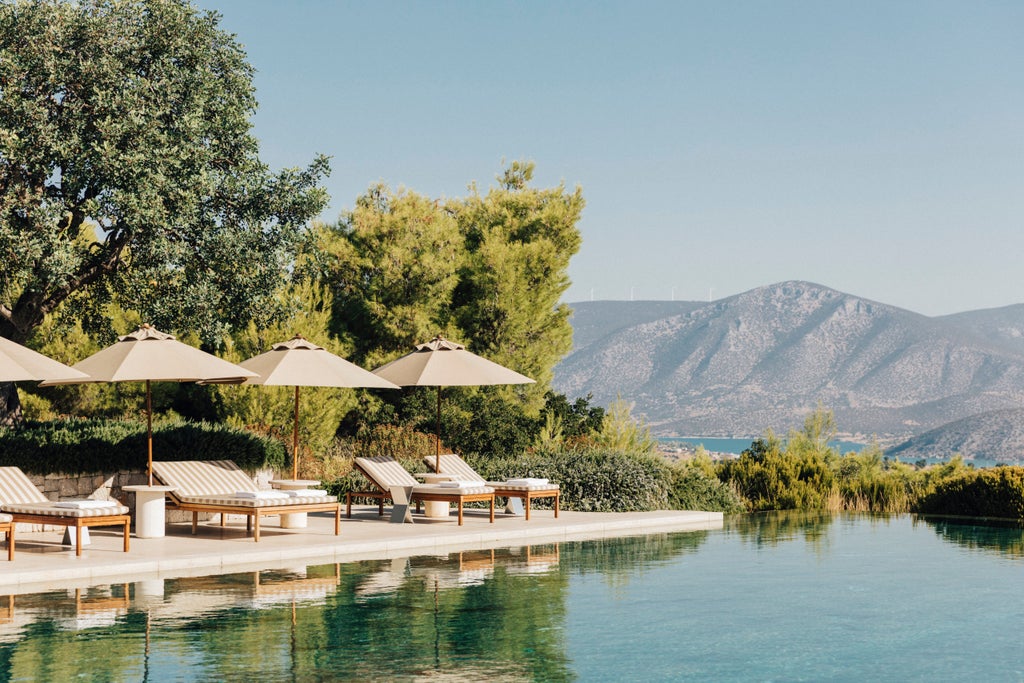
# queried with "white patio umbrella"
point(299, 362)
point(19, 363)
point(439, 363)
point(149, 355)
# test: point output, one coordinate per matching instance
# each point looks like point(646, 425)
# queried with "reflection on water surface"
point(791, 596)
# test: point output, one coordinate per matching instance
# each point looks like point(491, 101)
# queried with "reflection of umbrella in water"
point(444, 363)
point(148, 355)
point(299, 362)
point(19, 363)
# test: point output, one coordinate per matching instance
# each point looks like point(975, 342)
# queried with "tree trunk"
point(10, 404)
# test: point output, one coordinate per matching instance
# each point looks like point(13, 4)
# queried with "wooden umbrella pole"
point(149, 432)
point(295, 438)
point(437, 437)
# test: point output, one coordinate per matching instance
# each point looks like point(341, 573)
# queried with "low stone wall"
point(110, 486)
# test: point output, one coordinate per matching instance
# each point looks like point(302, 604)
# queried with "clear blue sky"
point(874, 147)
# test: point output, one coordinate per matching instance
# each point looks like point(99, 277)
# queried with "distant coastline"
point(720, 448)
point(730, 446)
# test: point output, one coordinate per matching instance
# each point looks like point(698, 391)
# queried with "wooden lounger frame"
point(8, 529)
point(501, 490)
point(77, 522)
point(381, 494)
point(252, 513)
point(526, 496)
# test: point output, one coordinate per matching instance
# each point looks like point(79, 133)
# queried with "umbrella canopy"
point(299, 362)
point(439, 363)
point(149, 355)
point(18, 363)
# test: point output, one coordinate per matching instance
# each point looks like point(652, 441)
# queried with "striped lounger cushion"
point(433, 489)
point(239, 501)
point(19, 495)
point(512, 486)
point(457, 468)
point(215, 482)
point(387, 472)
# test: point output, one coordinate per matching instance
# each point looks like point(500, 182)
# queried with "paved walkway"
point(42, 563)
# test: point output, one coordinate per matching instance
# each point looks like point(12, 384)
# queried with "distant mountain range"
point(996, 435)
point(764, 358)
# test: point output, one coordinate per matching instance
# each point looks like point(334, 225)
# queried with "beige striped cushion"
point(457, 468)
point(15, 487)
point(434, 489)
point(454, 466)
point(194, 478)
point(505, 486)
point(6, 519)
point(51, 510)
point(236, 501)
point(386, 472)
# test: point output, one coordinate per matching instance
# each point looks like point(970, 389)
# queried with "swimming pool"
point(768, 597)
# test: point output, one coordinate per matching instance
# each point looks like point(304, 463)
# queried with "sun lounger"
point(20, 498)
point(220, 486)
point(390, 479)
point(525, 489)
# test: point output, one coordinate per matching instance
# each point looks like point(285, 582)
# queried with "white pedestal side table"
point(435, 508)
point(149, 509)
point(294, 520)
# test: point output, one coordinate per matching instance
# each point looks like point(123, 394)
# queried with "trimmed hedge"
point(74, 446)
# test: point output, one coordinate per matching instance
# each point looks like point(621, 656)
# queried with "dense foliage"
point(128, 172)
point(997, 492)
point(591, 479)
point(89, 446)
point(127, 165)
point(807, 474)
point(487, 271)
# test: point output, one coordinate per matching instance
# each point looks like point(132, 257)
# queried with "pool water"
point(769, 597)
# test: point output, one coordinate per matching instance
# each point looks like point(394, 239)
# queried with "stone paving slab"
point(42, 563)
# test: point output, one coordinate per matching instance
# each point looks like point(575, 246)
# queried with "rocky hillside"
point(595, 320)
point(999, 325)
point(997, 435)
point(763, 358)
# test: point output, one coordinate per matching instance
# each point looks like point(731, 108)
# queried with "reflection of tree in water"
point(997, 536)
point(480, 615)
point(56, 631)
point(772, 528)
point(621, 559)
point(497, 614)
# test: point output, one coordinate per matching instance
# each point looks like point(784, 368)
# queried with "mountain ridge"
point(763, 358)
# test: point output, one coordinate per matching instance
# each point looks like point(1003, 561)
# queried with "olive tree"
point(129, 171)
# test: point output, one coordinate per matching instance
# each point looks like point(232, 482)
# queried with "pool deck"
point(42, 563)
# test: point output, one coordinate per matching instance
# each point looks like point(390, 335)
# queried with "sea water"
point(769, 597)
point(737, 446)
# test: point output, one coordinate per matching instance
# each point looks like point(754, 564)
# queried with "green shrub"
point(869, 483)
point(769, 479)
point(997, 492)
point(73, 446)
point(594, 481)
point(693, 489)
point(334, 466)
point(598, 481)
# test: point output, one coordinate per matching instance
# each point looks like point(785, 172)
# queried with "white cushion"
point(86, 504)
